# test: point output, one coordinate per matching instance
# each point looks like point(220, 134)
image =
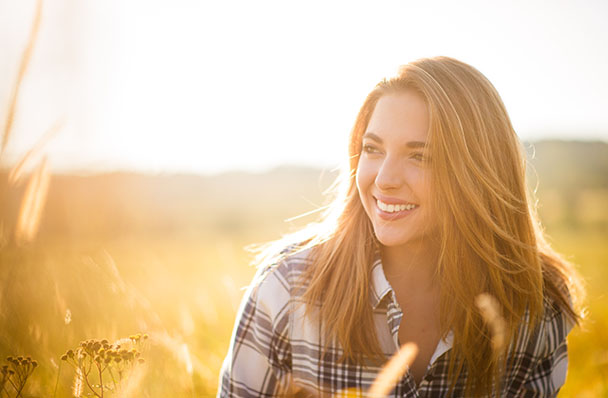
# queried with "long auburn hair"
point(490, 238)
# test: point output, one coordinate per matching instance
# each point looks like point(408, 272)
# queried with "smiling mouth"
point(394, 208)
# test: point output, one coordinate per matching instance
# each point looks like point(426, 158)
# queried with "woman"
point(432, 213)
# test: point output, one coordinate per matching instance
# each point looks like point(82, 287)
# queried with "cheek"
point(419, 182)
point(363, 178)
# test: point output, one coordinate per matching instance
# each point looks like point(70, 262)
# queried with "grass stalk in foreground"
point(25, 61)
point(394, 369)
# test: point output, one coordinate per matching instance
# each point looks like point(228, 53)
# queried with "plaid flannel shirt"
point(274, 346)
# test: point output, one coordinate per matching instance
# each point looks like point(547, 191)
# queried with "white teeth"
point(393, 208)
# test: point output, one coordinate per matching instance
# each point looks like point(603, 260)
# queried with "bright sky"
point(209, 86)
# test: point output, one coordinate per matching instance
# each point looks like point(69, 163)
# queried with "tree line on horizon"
point(568, 176)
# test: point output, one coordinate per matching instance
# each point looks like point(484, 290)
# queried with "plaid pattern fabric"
point(274, 347)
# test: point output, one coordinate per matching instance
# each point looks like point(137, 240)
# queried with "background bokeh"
point(190, 130)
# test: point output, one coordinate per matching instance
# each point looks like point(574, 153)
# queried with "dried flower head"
point(490, 311)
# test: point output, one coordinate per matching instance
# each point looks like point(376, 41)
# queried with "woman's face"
point(392, 170)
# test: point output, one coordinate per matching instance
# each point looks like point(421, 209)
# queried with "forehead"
point(402, 116)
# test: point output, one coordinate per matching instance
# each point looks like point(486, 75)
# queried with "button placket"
point(394, 314)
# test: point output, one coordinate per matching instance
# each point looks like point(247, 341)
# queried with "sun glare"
point(207, 86)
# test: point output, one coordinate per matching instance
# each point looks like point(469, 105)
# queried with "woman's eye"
point(370, 149)
point(420, 158)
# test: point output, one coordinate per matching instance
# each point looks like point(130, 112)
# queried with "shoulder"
point(549, 333)
point(555, 326)
point(275, 284)
point(539, 364)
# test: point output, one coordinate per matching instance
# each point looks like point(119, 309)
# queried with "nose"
point(391, 175)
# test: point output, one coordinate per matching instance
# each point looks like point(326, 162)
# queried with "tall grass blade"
point(393, 370)
point(490, 311)
point(78, 383)
point(25, 60)
point(17, 171)
point(32, 204)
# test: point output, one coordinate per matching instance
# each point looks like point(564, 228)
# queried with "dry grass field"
point(123, 254)
point(143, 275)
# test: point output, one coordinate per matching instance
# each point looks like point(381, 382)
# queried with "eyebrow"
point(410, 144)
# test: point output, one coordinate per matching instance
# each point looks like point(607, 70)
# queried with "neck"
point(411, 266)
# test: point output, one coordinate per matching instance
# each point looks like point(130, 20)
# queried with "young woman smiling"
point(431, 212)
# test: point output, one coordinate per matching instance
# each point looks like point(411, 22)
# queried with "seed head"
point(490, 311)
point(393, 370)
point(64, 357)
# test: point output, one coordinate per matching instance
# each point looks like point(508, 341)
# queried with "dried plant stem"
point(32, 204)
point(86, 380)
point(57, 381)
point(25, 60)
point(113, 379)
point(394, 370)
point(13, 384)
point(490, 311)
point(17, 171)
point(77, 388)
point(20, 389)
point(100, 378)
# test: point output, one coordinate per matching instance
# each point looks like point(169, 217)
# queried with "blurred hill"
point(163, 254)
point(107, 206)
point(570, 165)
point(571, 181)
point(571, 177)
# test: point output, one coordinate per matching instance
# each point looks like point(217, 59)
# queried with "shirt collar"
point(380, 286)
point(444, 345)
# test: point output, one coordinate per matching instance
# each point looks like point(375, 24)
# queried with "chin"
point(391, 241)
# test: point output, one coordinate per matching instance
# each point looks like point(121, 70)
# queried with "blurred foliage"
point(164, 255)
point(572, 181)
